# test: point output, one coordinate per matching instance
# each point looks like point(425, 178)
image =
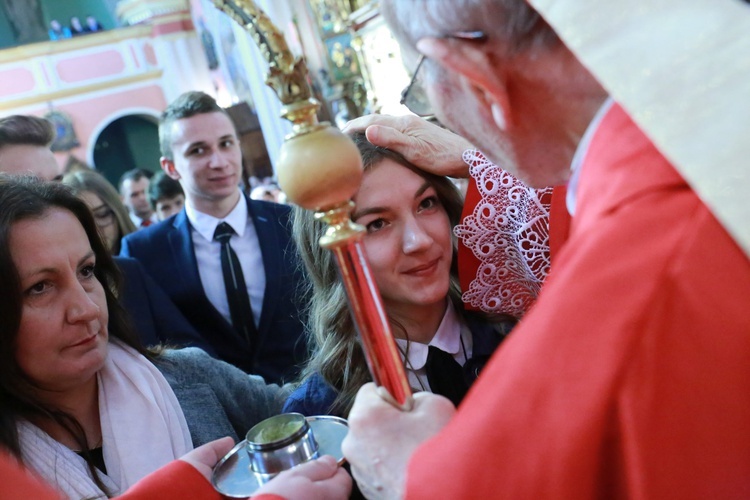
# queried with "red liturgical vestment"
point(630, 376)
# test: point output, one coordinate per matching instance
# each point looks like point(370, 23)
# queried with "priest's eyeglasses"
point(414, 96)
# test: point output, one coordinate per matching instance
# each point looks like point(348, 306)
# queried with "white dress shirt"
point(580, 155)
point(208, 255)
point(138, 221)
point(448, 338)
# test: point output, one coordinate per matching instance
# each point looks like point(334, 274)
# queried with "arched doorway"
point(131, 141)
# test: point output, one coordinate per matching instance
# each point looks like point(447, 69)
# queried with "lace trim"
point(508, 232)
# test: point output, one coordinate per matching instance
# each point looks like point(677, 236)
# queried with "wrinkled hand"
point(424, 144)
point(382, 439)
point(319, 479)
point(204, 458)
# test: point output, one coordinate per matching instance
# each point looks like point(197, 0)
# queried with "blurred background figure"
point(133, 188)
point(92, 24)
point(110, 214)
point(58, 31)
point(165, 196)
point(76, 28)
point(268, 192)
point(24, 147)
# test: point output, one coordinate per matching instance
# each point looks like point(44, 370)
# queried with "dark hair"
point(163, 186)
point(187, 105)
point(134, 175)
point(25, 130)
point(23, 198)
point(337, 354)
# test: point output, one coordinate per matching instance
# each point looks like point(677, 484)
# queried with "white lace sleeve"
point(508, 232)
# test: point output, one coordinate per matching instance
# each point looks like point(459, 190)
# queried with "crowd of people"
point(76, 28)
point(574, 327)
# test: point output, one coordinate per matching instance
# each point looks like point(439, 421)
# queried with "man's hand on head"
point(426, 145)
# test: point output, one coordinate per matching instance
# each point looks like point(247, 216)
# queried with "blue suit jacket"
point(152, 313)
point(166, 251)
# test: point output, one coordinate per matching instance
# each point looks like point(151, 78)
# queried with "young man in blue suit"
point(186, 256)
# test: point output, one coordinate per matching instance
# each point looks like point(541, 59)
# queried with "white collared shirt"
point(138, 221)
point(208, 255)
point(580, 155)
point(447, 338)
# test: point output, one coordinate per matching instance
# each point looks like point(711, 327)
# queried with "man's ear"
point(168, 166)
point(473, 61)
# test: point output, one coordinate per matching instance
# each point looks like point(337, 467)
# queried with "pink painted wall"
point(92, 83)
point(93, 114)
point(90, 66)
point(17, 81)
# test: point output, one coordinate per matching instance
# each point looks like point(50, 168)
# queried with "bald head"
point(25, 147)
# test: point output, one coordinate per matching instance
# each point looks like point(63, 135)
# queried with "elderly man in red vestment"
point(629, 376)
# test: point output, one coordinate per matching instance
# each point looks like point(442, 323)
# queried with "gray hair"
point(510, 21)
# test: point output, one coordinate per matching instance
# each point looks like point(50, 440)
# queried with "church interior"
point(105, 91)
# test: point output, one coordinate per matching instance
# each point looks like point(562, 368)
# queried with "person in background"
point(25, 147)
point(57, 31)
point(226, 261)
point(165, 196)
point(92, 25)
point(268, 192)
point(76, 28)
point(134, 195)
point(110, 214)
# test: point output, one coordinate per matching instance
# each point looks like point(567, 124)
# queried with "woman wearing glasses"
point(408, 215)
point(110, 214)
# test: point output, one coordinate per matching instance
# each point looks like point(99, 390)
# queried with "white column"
point(184, 62)
point(267, 104)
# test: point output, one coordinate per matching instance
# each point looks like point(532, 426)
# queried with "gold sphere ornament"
point(319, 169)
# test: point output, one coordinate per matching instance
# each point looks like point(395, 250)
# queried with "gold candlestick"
point(320, 169)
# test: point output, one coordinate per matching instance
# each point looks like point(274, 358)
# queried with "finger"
point(339, 486)
point(210, 453)
point(361, 123)
point(366, 397)
point(389, 137)
point(321, 469)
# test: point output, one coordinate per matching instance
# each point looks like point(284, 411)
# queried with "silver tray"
point(232, 476)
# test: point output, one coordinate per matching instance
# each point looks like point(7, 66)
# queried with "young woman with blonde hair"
point(409, 215)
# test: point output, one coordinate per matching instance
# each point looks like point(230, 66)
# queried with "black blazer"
point(166, 251)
